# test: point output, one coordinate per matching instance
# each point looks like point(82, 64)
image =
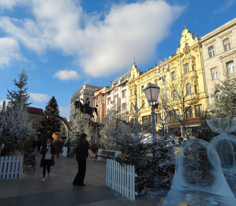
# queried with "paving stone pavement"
point(58, 190)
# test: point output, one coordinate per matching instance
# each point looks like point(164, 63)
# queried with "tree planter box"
point(11, 167)
point(140, 188)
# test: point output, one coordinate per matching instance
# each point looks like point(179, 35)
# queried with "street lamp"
point(151, 93)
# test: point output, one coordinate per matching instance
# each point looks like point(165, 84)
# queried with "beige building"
point(99, 101)
point(219, 56)
point(84, 92)
point(117, 95)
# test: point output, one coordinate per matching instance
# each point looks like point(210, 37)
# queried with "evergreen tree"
point(225, 103)
point(16, 128)
point(49, 125)
point(21, 95)
point(80, 125)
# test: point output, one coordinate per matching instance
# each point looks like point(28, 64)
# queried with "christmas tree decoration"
point(49, 125)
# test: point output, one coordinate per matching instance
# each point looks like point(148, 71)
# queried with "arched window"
point(217, 96)
point(188, 89)
point(123, 106)
point(175, 95)
point(143, 104)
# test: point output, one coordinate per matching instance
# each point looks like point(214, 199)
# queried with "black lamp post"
point(152, 92)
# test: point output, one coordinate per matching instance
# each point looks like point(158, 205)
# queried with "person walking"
point(81, 156)
point(47, 160)
point(38, 145)
point(58, 143)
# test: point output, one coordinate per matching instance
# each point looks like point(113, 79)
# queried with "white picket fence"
point(11, 167)
point(121, 178)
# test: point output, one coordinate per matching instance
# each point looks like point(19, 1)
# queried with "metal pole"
point(156, 181)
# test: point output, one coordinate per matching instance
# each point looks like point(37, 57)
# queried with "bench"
point(106, 154)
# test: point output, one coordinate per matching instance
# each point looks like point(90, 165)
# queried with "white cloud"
point(66, 75)
point(65, 112)
point(9, 51)
point(39, 97)
point(101, 47)
point(224, 7)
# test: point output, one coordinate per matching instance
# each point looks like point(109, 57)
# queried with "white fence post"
point(11, 167)
point(121, 178)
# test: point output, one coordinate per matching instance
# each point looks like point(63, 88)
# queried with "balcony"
point(192, 98)
point(193, 73)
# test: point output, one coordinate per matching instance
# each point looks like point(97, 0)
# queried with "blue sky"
point(64, 44)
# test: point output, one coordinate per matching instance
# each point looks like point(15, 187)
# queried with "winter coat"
point(59, 146)
point(43, 152)
point(82, 151)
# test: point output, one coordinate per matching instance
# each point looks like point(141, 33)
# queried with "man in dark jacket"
point(81, 156)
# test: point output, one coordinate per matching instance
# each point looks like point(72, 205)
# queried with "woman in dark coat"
point(47, 160)
point(81, 156)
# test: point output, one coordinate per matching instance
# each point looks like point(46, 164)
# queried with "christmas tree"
point(21, 95)
point(48, 124)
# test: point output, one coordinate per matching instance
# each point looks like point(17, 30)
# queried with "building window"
point(230, 67)
point(142, 88)
point(186, 68)
point(107, 110)
point(198, 110)
point(188, 89)
point(156, 82)
point(195, 89)
point(226, 44)
point(175, 95)
point(173, 76)
point(189, 113)
point(123, 106)
point(193, 68)
point(158, 118)
point(131, 92)
point(108, 100)
point(131, 106)
point(143, 104)
point(124, 93)
point(214, 75)
point(164, 79)
point(146, 120)
point(211, 51)
point(217, 96)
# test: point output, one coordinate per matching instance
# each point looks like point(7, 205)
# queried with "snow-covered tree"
point(112, 129)
point(225, 102)
point(16, 128)
point(80, 125)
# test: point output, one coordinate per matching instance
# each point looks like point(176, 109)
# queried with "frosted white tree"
point(80, 125)
point(16, 128)
point(112, 129)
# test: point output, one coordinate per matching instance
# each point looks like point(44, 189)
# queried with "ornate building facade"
point(219, 55)
point(99, 101)
point(182, 86)
point(117, 95)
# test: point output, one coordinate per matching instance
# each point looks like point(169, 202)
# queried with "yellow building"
point(182, 87)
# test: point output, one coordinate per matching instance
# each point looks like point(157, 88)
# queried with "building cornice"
point(219, 30)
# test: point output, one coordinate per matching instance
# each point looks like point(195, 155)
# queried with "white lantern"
point(152, 92)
